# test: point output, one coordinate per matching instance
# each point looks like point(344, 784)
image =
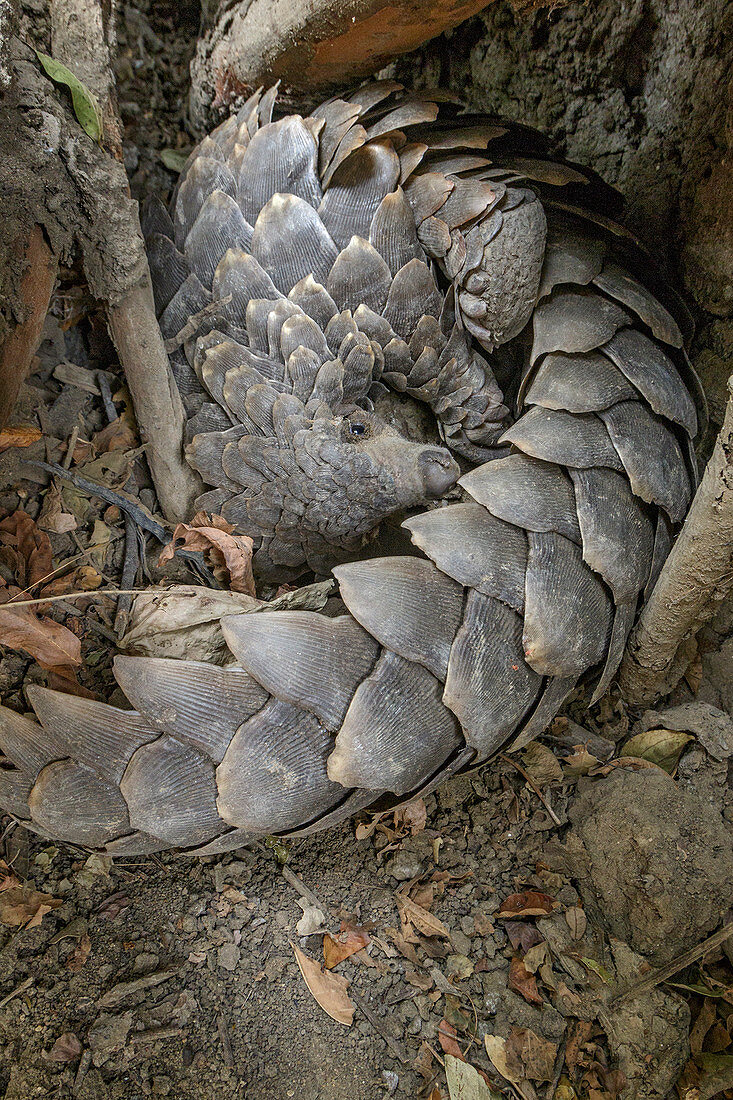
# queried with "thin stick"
point(379, 1027)
point(533, 785)
point(106, 392)
point(130, 564)
point(653, 979)
point(303, 890)
point(16, 992)
point(78, 595)
point(221, 1026)
point(116, 264)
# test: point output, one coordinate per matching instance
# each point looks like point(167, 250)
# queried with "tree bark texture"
point(56, 181)
point(696, 578)
point(312, 46)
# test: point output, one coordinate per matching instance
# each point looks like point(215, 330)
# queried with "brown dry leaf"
point(328, 989)
point(117, 436)
point(25, 549)
point(421, 981)
point(576, 921)
point(530, 1056)
point(411, 818)
point(580, 762)
point(661, 747)
point(80, 954)
point(52, 516)
point(423, 1063)
point(705, 1020)
point(20, 436)
point(530, 903)
point(24, 907)
point(412, 914)
point(496, 1050)
point(50, 643)
point(347, 942)
point(67, 1048)
point(403, 944)
point(523, 936)
point(229, 555)
point(522, 982)
point(8, 878)
point(542, 764)
point(448, 1038)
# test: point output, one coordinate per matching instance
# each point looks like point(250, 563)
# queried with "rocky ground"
point(503, 925)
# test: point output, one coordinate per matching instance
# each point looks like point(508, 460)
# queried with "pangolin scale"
point(387, 242)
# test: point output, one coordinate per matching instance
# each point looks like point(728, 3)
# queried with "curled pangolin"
point(308, 267)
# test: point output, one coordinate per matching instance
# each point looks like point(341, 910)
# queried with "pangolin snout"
point(439, 472)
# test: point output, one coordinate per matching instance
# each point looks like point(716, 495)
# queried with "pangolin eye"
point(357, 428)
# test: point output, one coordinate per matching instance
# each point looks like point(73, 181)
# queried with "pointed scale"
point(395, 600)
point(198, 703)
point(304, 658)
point(489, 686)
point(396, 730)
point(474, 548)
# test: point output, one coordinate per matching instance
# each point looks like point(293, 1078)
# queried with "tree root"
point(696, 578)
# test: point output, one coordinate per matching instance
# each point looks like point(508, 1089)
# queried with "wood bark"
point(55, 177)
point(312, 46)
point(696, 578)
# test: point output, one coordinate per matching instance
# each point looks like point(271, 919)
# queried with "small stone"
point(405, 865)
point(107, 1035)
point(161, 1085)
point(461, 942)
point(228, 956)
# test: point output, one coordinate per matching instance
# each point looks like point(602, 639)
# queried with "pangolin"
point(389, 242)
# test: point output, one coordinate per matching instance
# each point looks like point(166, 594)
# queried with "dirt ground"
point(519, 903)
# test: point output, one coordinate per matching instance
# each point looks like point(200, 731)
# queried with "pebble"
point(228, 956)
point(404, 866)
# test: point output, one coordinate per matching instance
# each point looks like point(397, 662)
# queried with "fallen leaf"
point(716, 1074)
point(536, 957)
point(25, 907)
point(448, 1038)
point(411, 818)
point(48, 642)
point(337, 948)
point(67, 1048)
point(580, 762)
point(530, 903)
point(522, 982)
point(496, 1050)
point(328, 989)
point(423, 1063)
point(229, 555)
point(523, 936)
point(458, 967)
point(465, 1082)
point(26, 549)
point(52, 516)
point(119, 435)
point(542, 764)
point(661, 747)
point(413, 914)
point(576, 921)
point(80, 954)
point(530, 1056)
point(21, 436)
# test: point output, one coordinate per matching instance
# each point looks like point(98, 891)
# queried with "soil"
point(163, 976)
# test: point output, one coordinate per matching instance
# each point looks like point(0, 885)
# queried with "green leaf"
point(173, 160)
point(700, 989)
point(601, 971)
point(661, 747)
point(84, 103)
point(717, 1074)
